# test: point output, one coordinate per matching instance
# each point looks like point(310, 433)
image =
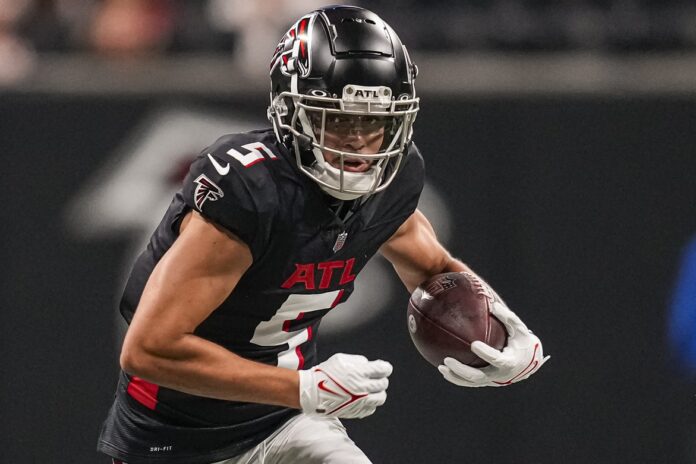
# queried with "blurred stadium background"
point(559, 138)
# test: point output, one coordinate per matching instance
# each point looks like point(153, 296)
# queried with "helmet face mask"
point(349, 114)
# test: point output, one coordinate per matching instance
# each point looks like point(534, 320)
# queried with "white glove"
point(345, 385)
point(521, 357)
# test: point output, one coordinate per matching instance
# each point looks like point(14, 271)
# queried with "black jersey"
point(305, 259)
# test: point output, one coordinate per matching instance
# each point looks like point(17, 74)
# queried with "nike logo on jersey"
point(222, 170)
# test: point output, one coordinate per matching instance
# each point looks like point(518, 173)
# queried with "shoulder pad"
point(414, 152)
point(247, 157)
point(400, 199)
point(247, 150)
point(412, 171)
point(229, 185)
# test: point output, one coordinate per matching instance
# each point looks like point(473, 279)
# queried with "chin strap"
point(362, 182)
point(304, 142)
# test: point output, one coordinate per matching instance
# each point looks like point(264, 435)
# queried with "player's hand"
point(521, 357)
point(345, 385)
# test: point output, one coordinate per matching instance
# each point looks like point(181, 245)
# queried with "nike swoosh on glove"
point(345, 385)
point(522, 356)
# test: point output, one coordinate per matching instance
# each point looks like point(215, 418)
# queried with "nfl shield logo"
point(340, 241)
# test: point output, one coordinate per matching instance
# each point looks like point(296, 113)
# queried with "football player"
point(265, 237)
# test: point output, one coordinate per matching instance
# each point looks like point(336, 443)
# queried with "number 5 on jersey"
point(276, 331)
point(253, 155)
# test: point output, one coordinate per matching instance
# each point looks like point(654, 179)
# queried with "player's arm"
point(417, 255)
point(191, 280)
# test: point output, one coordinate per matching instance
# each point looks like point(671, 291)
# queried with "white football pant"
point(307, 440)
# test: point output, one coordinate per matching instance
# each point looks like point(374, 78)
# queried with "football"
point(449, 311)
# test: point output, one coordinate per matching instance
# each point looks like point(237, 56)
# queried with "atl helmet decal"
point(296, 59)
point(206, 190)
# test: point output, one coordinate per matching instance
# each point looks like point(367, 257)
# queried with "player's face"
point(351, 133)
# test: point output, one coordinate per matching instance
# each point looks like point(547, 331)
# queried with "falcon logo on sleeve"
point(206, 190)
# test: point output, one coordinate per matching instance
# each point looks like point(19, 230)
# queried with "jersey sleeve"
point(224, 191)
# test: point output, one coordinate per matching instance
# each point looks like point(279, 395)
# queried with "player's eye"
point(339, 123)
point(343, 124)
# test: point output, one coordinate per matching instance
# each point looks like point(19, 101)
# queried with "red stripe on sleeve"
point(143, 392)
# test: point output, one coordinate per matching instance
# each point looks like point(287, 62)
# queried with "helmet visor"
point(338, 130)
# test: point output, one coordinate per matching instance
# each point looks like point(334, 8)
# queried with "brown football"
point(449, 311)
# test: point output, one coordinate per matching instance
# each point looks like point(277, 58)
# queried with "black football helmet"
point(342, 70)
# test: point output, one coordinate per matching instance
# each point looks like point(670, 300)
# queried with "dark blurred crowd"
point(251, 28)
point(133, 27)
point(156, 26)
point(608, 26)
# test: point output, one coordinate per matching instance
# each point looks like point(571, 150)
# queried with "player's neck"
point(340, 207)
point(344, 209)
